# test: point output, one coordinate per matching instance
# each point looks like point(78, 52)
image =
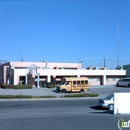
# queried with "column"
point(26, 78)
point(78, 73)
point(53, 79)
point(104, 79)
point(8, 80)
point(48, 78)
point(15, 79)
point(38, 75)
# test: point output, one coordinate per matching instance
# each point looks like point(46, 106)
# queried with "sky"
point(66, 31)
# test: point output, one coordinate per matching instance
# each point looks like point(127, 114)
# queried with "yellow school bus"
point(73, 84)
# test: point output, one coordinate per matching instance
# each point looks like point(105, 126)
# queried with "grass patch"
point(23, 86)
point(24, 96)
point(80, 95)
point(19, 86)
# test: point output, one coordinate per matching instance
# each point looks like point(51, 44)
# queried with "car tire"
point(111, 107)
point(117, 85)
point(57, 91)
point(64, 91)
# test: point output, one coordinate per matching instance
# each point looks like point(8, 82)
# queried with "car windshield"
point(109, 97)
point(62, 83)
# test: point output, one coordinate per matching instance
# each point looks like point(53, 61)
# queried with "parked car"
point(125, 82)
point(107, 102)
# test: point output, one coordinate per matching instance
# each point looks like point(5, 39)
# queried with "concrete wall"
point(40, 65)
point(127, 68)
point(83, 72)
point(49, 64)
point(101, 74)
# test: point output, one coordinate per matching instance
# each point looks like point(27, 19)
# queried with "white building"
point(37, 73)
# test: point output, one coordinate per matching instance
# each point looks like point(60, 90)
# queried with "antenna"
point(117, 45)
point(21, 56)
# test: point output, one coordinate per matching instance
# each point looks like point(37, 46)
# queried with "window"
point(62, 83)
point(86, 81)
point(113, 79)
point(74, 82)
point(107, 79)
point(78, 82)
point(126, 80)
point(82, 82)
point(90, 79)
point(67, 83)
point(98, 79)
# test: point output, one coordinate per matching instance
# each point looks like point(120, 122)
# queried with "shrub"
point(50, 85)
point(20, 86)
point(24, 96)
point(23, 86)
point(80, 95)
point(7, 86)
point(1, 84)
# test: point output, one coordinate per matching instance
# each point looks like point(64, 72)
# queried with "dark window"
point(67, 83)
point(86, 81)
point(82, 82)
point(74, 82)
point(126, 80)
point(78, 82)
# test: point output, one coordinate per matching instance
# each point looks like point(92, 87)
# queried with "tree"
point(118, 68)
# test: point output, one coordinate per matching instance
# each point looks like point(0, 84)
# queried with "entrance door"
point(21, 79)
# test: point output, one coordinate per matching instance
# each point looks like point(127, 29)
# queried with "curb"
point(41, 99)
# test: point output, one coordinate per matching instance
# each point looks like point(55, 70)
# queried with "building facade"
point(127, 68)
point(38, 73)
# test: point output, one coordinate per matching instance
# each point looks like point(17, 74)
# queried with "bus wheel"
point(81, 90)
point(64, 91)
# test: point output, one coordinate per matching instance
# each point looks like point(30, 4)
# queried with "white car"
point(125, 82)
point(107, 102)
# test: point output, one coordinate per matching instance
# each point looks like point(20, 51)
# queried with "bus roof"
point(75, 78)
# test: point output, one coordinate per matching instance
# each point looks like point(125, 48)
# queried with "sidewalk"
point(33, 92)
point(40, 91)
point(46, 92)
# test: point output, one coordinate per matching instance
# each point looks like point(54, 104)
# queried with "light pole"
point(117, 45)
point(104, 62)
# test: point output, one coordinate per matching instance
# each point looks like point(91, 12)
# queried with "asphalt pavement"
point(58, 115)
point(101, 90)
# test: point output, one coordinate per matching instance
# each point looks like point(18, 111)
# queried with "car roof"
point(125, 78)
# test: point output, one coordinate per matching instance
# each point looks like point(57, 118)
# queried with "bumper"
point(103, 105)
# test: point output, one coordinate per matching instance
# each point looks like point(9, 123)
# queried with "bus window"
point(82, 82)
point(86, 82)
point(62, 83)
point(74, 82)
point(78, 82)
point(67, 83)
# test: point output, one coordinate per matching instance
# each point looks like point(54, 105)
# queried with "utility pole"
point(21, 56)
point(104, 62)
point(117, 45)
